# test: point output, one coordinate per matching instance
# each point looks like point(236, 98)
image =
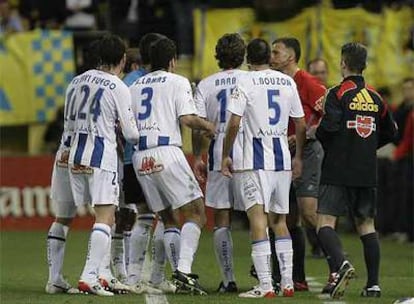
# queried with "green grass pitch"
point(23, 272)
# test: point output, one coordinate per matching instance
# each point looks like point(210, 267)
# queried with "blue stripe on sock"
point(146, 217)
point(172, 230)
point(102, 230)
point(284, 238)
point(260, 241)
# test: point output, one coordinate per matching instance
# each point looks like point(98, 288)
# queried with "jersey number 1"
point(222, 99)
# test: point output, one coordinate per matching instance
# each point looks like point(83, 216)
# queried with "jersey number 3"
point(146, 103)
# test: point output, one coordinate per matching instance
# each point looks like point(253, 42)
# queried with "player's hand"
point(296, 168)
point(200, 170)
point(311, 132)
point(227, 166)
point(292, 142)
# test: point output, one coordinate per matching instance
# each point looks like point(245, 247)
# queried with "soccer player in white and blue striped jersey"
point(65, 208)
point(161, 101)
point(99, 100)
point(265, 99)
point(222, 194)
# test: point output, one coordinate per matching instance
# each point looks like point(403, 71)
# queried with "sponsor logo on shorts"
point(62, 162)
point(364, 125)
point(79, 169)
point(149, 166)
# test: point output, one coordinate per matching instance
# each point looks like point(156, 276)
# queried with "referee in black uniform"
point(355, 124)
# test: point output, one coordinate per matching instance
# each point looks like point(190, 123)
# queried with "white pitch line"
point(155, 299)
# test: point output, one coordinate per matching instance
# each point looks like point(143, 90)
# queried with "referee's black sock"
point(313, 240)
point(332, 246)
point(371, 246)
point(298, 245)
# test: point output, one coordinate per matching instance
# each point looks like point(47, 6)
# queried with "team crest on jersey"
point(149, 166)
point(364, 125)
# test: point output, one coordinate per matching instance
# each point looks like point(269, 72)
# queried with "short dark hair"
point(315, 60)
point(145, 45)
point(291, 43)
point(92, 56)
point(161, 53)
point(354, 55)
point(258, 52)
point(132, 56)
point(230, 51)
point(112, 49)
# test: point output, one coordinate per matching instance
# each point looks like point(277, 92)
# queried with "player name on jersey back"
point(280, 81)
point(96, 102)
point(212, 95)
point(265, 99)
point(158, 100)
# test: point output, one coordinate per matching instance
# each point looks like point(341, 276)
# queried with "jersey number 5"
point(273, 105)
point(146, 102)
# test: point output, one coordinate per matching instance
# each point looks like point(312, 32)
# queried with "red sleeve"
point(406, 145)
point(316, 93)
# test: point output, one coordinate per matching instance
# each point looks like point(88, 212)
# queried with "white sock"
point(127, 242)
point(158, 255)
point(105, 266)
point(190, 236)
point(140, 237)
point(172, 240)
point(284, 254)
point(223, 247)
point(118, 254)
point(98, 247)
point(56, 240)
point(261, 260)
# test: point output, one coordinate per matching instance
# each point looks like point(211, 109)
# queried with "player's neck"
point(349, 73)
point(291, 70)
point(259, 67)
point(110, 69)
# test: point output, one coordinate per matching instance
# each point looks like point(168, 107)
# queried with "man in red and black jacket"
point(355, 124)
point(286, 53)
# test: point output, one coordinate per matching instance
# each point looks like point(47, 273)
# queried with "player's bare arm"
point(231, 133)
point(199, 167)
point(194, 122)
point(300, 134)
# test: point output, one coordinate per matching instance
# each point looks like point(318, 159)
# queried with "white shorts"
point(94, 186)
point(223, 192)
point(60, 190)
point(166, 177)
point(270, 188)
